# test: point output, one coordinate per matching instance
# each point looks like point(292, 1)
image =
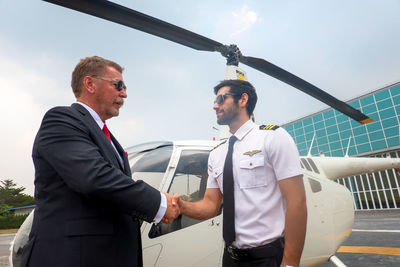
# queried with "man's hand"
point(172, 208)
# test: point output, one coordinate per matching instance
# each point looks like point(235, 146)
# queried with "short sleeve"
point(282, 154)
point(212, 178)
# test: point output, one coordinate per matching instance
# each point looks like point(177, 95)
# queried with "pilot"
point(258, 177)
point(88, 208)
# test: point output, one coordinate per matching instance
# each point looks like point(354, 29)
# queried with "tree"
point(12, 196)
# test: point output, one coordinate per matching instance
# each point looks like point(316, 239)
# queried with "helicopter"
point(330, 205)
point(180, 167)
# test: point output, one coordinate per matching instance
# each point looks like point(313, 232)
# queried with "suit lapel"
point(102, 140)
point(123, 155)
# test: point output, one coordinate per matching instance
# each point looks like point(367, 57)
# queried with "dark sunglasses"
point(221, 98)
point(119, 85)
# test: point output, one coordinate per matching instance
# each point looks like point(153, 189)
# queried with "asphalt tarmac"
point(5, 241)
point(375, 241)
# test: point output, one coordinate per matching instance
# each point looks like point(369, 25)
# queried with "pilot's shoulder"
point(269, 127)
point(217, 146)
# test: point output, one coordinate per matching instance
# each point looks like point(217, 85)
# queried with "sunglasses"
point(221, 98)
point(119, 85)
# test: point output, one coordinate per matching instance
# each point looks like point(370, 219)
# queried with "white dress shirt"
point(260, 159)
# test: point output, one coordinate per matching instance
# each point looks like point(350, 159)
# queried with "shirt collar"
point(244, 129)
point(93, 113)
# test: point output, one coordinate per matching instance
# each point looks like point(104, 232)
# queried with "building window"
point(389, 122)
point(378, 145)
point(376, 135)
point(344, 126)
point(396, 100)
point(342, 118)
point(395, 90)
point(332, 129)
point(364, 148)
point(367, 100)
point(359, 130)
point(387, 113)
point(369, 109)
point(374, 126)
point(382, 95)
point(384, 104)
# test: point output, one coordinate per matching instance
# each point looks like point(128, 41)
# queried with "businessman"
point(88, 208)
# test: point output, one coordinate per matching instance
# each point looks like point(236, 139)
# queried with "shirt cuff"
point(162, 209)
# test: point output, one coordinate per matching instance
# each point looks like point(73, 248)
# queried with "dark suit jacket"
point(87, 205)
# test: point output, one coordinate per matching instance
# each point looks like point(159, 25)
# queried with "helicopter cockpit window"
point(313, 166)
point(305, 163)
point(315, 185)
point(189, 182)
point(150, 166)
point(301, 164)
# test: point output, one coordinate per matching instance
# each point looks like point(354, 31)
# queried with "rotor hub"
point(232, 54)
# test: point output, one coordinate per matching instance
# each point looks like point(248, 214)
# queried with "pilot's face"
point(225, 107)
point(108, 98)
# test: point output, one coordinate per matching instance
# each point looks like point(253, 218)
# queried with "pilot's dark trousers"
point(269, 255)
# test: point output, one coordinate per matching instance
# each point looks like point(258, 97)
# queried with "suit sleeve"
point(66, 143)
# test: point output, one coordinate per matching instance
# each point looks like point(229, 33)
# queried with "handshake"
point(173, 208)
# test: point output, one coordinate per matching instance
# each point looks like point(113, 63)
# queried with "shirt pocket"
point(252, 172)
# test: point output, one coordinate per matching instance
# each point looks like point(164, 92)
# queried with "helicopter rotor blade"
point(134, 19)
point(304, 86)
point(139, 21)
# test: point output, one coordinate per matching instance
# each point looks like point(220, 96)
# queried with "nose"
point(123, 93)
point(216, 106)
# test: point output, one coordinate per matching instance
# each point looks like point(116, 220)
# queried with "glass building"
point(332, 133)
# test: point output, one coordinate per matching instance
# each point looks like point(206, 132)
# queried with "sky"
point(347, 48)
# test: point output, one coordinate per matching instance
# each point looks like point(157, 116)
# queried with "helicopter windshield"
point(150, 166)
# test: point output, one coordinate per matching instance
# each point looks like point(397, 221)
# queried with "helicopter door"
point(185, 242)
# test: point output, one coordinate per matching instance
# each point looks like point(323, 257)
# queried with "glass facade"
point(332, 133)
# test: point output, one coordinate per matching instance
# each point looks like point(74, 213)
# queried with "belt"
point(269, 250)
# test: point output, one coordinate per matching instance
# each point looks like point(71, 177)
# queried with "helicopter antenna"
point(347, 150)
point(312, 141)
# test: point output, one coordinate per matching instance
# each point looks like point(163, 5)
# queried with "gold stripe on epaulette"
point(218, 145)
point(269, 127)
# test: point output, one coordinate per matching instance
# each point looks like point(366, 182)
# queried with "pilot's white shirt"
point(260, 159)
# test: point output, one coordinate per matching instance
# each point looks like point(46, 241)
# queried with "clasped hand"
point(173, 209)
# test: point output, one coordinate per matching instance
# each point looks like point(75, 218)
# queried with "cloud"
point(243, 19)
point(232, 24)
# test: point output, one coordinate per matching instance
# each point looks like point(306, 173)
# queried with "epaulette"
point(269, 127)
point(219, 145)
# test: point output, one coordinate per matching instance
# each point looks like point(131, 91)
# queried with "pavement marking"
point(370, 250)
point(377, 231)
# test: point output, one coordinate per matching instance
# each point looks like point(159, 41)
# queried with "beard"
point(228, 115)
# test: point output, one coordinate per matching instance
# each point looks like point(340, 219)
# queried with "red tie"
point(106, 132)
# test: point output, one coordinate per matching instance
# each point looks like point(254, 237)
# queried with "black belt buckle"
point(236, 254)
point(232, 252)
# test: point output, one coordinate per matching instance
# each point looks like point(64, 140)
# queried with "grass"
point(8, 231)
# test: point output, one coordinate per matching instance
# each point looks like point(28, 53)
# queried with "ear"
point(243, 100)
point(89, 84)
